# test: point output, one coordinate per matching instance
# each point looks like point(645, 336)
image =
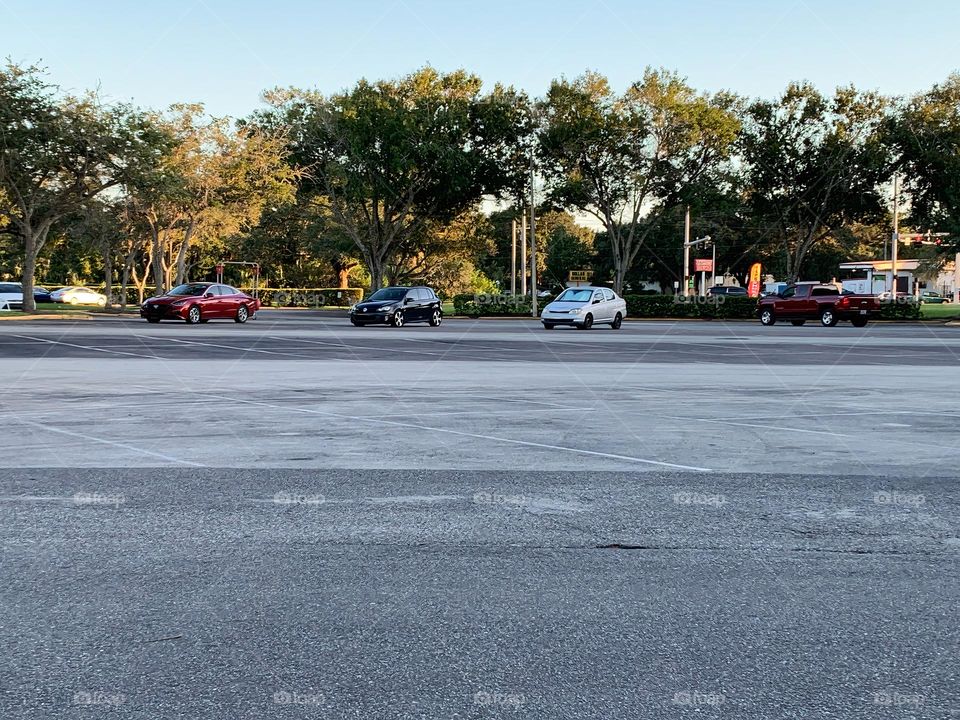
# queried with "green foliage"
point(638, 306)
point(903, 309)
point(627, 158)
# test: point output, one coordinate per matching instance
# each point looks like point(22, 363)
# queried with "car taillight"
point(844, 302)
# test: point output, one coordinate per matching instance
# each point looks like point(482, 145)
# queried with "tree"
point(214, 183)
point(56, 153)
point(631, 157)
point(813, 165)
point(924, 134)
point(392, 157)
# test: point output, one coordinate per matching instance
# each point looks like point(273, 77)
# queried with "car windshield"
point(575, 295)
point(389, 294)
point(189, 289)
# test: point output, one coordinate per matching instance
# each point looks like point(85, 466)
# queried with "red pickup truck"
point(800, 302)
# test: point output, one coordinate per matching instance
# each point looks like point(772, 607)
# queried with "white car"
point(583, 307)
point(78, 296)
point(11, 296)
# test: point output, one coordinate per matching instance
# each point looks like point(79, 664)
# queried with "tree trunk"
point(375, 266)
point(182, 255)
point(159, 277)
point(108, 273)
point(29, 269)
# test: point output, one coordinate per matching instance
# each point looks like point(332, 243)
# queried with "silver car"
point(583, 307)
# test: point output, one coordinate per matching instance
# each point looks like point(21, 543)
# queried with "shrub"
point(902, 309)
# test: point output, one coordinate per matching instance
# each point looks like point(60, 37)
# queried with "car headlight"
point(388, 308)
point(577, 311)
point(179, 303)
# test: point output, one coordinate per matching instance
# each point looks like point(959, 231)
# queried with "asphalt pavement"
point(295, 518)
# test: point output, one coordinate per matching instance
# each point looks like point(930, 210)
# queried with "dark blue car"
point(41, 295)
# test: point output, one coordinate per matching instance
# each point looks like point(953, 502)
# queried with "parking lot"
point(684, 517)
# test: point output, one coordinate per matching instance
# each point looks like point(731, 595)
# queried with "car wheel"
point(242, 314)
point(587, 323)
point(859, 322)
point(193, 315)
point(153, 321)
point(797, 323)
point(436, 318)
point(548, 326)
point(73, 301)
point(617, 321)
point(398, 319)
point(828, 318)
point(767, 317)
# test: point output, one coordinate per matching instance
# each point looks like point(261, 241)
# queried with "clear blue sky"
point(224, 53)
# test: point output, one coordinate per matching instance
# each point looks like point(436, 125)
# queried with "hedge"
point(902, 309)
point(638, 306)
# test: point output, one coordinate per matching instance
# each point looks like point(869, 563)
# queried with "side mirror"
point(407, 301)
point(596, 301)
point(208, 295)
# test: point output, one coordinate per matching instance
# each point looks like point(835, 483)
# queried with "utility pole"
point(533, 244)
point(713, 266)
point(896, 234)
point(686, 251)
point(523, 254)
point(513, 258)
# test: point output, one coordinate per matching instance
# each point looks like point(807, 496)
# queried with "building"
point(872, 277)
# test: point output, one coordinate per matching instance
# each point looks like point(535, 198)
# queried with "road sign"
point(580, 275)
point(703, 265)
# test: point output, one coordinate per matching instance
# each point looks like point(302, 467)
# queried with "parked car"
point(41, 294)
point(718, 290)
point(11, 296)
point(398, 306)
point(583, 307)
point(933, 298)
point(199, 303)
point(77, 295)
point(814, 301)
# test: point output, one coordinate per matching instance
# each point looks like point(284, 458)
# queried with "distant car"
point(78, 295)
point(398, 306)
point(200, 302)
point(41, 294)
point(583, 307)
point(933, 298)
point(717, 290)
point(11, 296)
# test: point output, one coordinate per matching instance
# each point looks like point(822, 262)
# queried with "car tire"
point(859, 322)
point(548, 326)
point(767, 317)
point(73, 301)
point(587, 323)
point(617, 321)
point(242, 315)
point(153, 321)
point(397, 319)
point(828, 318)
point(798, 322)
point(193, 315)
point(436, 318)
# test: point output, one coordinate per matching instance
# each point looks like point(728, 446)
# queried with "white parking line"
point(478, 436)
point(112, 443)
point(86, 347)
point(755, 425)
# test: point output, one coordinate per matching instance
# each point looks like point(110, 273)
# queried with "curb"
point(27, 316)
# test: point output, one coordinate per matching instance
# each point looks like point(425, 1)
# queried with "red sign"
point(703, 265)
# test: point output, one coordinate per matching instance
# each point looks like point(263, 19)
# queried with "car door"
point(210, 303)
point(610, 298)
point(411, 306)
point(783, 305)
point(598, 307)
point(229, 301)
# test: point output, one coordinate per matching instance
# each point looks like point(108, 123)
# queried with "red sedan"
point(200, 302)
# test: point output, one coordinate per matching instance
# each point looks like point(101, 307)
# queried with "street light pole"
point(523, 253)
point(686, 251)
point(513, 257)
point(896, 234)
point(533, 244)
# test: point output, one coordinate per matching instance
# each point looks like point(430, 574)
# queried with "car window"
point(9, 288)
point(598, 295)
point(422, 294)
point(825, 291)
point(391, 294)
point(789, 292)
point(607, 294)
point(228, 290)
